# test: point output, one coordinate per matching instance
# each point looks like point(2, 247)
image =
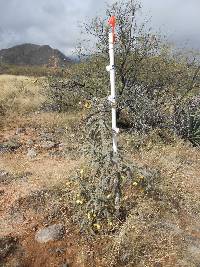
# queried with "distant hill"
point(33, 55)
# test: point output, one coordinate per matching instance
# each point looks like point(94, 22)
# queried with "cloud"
point(41, 21)
point(178, 19)
point(56, 22)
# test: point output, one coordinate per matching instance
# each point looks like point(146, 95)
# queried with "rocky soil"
point(35, 224)
point(36, 216)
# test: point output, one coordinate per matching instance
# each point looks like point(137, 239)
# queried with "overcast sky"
point(55, 22)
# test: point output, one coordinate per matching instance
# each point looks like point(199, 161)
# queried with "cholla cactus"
point(103, 178)
point(194, 129)
point(187, 120)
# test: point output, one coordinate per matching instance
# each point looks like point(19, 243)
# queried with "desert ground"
point(39, 155)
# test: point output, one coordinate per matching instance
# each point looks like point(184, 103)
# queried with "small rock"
point(3, 174)
point(3, 149)
point(60, 130)
point(58, 251)
point(48, 144)
point(32, 153)
point(64, 265)
point(61, 146)
point(20, 130)
point(56, 154)
point(5, 177)
point(46, 136)
point(51, 233)
point(30, 142)
point(2, 192)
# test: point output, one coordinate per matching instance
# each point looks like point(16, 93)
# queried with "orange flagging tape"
point(112, 23)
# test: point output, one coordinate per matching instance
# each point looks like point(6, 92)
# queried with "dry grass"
point(179, 165)
point(20, 94)
point(53, 119)
point(21, 98)
point(48, 120)
point(163, 229)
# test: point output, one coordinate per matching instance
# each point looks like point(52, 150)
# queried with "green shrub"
point(63, 94)
point(152, 80)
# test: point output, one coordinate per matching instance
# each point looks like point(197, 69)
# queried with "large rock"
point(51, 233)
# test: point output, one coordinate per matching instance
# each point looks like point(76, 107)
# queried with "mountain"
point(33, 55)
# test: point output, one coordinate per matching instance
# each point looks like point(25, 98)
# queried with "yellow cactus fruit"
point(135, 183)
point(97, 226)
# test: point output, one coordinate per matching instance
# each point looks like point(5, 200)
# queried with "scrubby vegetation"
point(157, 88)
point(35, 71)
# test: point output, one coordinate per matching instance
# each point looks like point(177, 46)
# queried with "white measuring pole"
point(112, 97)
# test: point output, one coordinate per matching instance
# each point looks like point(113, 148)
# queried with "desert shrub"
point(63, 94)
point(92, 76)
point(105, 178)
point(154, 83)
point(152, 79)
point(81, 83)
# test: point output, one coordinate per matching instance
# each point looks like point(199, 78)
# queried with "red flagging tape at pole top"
point(112, 23)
